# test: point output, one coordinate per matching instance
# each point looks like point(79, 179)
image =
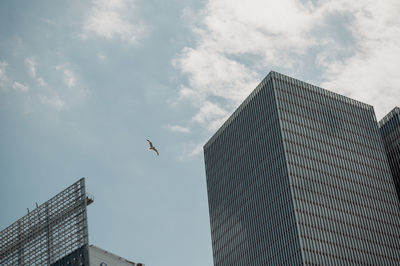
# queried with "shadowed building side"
point(250, 203)
point(390, 131)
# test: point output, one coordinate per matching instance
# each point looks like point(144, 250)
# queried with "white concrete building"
point(101, 257)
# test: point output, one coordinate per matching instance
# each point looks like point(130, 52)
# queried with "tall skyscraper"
point(390, 131)
point(299, 175)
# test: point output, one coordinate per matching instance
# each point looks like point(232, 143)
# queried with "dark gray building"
point(390, 131)
point(299, 175)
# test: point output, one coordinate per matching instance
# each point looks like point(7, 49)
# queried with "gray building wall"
point(250, 203)
point(298, 175)
point(390, 132)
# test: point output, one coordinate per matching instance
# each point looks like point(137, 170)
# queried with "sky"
point(83, 84)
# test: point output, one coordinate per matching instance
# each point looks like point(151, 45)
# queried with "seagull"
point(152, 147)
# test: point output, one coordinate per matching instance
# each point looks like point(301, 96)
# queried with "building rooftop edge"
point(237, 110)
point(43, 204)
point(108, 252)
point(277, 75)
point(390, 115)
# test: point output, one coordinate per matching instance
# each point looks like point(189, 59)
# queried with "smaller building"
point(101, 257)
point(56, 234)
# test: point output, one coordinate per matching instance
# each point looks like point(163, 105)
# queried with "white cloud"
point(350, 46)
point(20, 87)
point(177, 128)
point(54, 101)
point(191, 149)
point(113, 19)
point(59, 99)
point(219, 73)
point(6, 82)
point(210, 115)
point(42, 82)
point(101, 56)
point(257, 27)
point(69, 78)
point(31, 65)
point(69, 75)
point(371, 74)
point(211, 73)
point(3, 75)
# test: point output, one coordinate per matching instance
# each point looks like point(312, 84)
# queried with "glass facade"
point(52, 234)
point(299, 175)
point(390, 132)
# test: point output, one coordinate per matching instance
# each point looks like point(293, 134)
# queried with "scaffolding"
point(53, 230)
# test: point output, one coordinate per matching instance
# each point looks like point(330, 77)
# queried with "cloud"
point(210, 115)
point(53, 101)
point(191, 149)
point(212, 75)
point(3, 75)
point(58, 99)
point(113, 19)
point(20, 87)
point(31, 65)
point(42, 82)
point(351, 47)
point(75, 93)
point(257, 27)
point(234, 42)
point(371, 74)
point(5, 80)
point(101, 56)
point(69, 76)
point(177, 128)
point(63, 98)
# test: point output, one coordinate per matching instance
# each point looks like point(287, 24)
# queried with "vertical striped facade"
point(298, 175)
point(390, 131)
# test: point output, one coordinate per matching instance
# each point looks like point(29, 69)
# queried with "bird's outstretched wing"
point(152, 147)
point(151, 144)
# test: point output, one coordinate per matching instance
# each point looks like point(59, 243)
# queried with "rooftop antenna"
point(37, 205)
point(27, 210)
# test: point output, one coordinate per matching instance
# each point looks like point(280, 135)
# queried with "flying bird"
point(152, 147)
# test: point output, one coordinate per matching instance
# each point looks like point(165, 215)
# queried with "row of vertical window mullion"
point(227, 167)
point(373, 175)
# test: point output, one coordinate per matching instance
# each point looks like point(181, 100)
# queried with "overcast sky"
point(84, 83)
